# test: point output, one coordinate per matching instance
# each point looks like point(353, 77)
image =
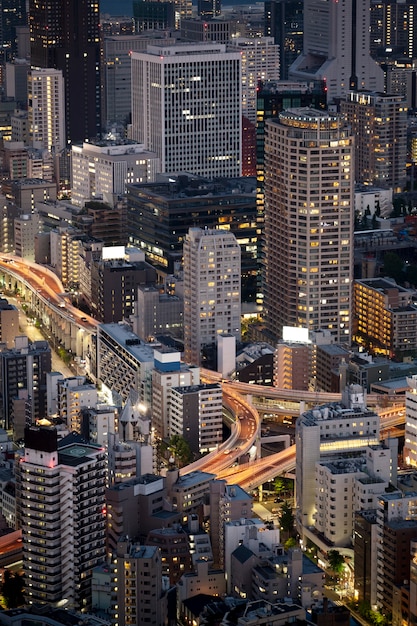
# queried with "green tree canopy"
point(336, 561)
point(180, 449)
point(286, 517)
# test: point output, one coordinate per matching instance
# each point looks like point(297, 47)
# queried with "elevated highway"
point(44, 294)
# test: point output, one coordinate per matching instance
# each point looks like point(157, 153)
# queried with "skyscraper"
point(336, 47)
point(308, 222)
point(186, 107)
point(46, 109)
point(60, 494)
point(284, 22)
point(379, 123)
point(64, 35)
point(211, 289)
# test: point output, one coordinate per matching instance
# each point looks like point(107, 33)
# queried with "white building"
point(336, 48)
point(326, 433)
point(186, 107)
point(102, 170)
point(74, 394)
point(347, 485)
point(168, 372)
point(64, 541)
point(251, 533)
point(26, 228)
point(46, 109)
point(410, 441)
point(260, 62)
point(212, 289)
point(308, 222)
point(196, 413)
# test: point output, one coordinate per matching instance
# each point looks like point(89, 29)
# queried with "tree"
point(279, 485)
point(336, 561)
point(290, 543)
point(286, 518)
point(12, 590)
point(180, 449)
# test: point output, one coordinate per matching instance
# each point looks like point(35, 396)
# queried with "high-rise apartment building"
point(336, 48)
point(24, 367)
point(284, 21)
point(260, 62)
point(64, 35)
point(308, 222)
point(186, 107)
point(65, 540)
point(211, 289)
point(195, 413)
point(140, 597)
point(379, 123)
point(46, 109)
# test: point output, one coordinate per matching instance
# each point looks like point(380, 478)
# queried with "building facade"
point(46, 109)
point(63, 542)
point(65, 35)
point(379, 123)
point(189, 113)
point(336, 48)
point(308, 223)
point(212, 289)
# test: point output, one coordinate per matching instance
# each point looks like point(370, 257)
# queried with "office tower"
point(139, 594)
point(111, 166)
point(218, 30)
point(260, 62)
point(211, 290)
point(336, 48)
point(191, 128)
point(284, 21)
point(184, 200)
point(208, 9)
point(308, 222)
point(65, 36)
point(116, 72)
point(13, 14)
point(385, 318)
point(46, 109)
point(326, 433)
point(153, 15)
point(24, 367)
point(65, 540)
point(379, 123)
point(392, 29)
